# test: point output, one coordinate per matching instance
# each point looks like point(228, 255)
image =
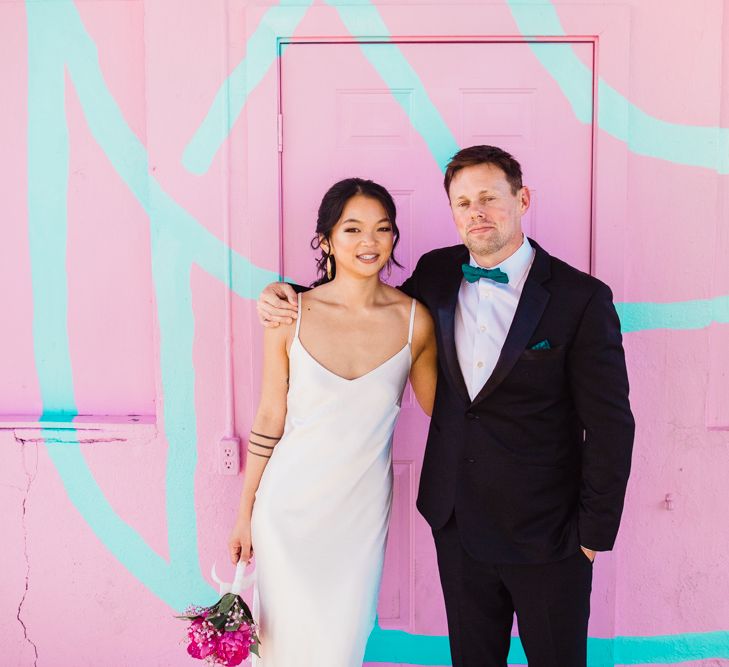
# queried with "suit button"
point(471, 460)
point(471, 415)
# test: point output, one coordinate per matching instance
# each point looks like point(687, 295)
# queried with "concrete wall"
point(130, 254)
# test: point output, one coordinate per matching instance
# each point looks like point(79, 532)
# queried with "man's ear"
point(525, 198)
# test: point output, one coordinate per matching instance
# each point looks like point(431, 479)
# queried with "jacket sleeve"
point(411, 286)
point(599, 386)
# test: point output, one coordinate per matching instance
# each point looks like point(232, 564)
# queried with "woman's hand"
point(239, 544)
point(277, 303)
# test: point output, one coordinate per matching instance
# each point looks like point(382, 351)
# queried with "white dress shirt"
point(484, 314)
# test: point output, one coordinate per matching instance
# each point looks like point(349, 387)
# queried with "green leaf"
point(226, 603)
point(246, 609)
point(217, 621)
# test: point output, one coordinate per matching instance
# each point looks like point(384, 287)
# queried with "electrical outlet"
point(229, 456)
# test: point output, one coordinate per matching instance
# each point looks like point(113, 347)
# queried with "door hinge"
point(280, 133)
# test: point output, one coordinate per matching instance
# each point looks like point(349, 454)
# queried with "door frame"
point(283, 42)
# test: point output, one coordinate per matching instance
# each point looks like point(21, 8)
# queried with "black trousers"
point(551, 601)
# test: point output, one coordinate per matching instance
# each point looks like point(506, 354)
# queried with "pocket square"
point(541, 345)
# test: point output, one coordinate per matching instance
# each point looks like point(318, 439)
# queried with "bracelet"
point(262, 446)
point(267, 437)
point(258, 444)
point(263, 456)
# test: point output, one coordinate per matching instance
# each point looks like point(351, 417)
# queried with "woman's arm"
point(266, 431)
point(424, 369)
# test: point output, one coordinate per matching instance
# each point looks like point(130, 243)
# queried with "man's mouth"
point(480, 229)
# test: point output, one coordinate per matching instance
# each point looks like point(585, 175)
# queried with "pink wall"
point(124, 180)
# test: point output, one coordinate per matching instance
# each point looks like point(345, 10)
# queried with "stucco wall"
point(127, 152)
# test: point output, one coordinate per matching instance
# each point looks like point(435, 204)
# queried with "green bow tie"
point(473, 273)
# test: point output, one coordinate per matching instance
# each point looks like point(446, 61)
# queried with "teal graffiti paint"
point(696, 314)
point(405, 648)
point(411, 649)
point(689, 145)
point(47, 178)
point(232, 95)
point(668, 649)
point(171, 275)
point(57, 38)
point(573, 78)
point(402, 647)
point(177, 588)
point(363, 21)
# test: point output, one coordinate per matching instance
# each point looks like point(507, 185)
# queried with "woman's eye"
point(351, 229)
point(386, 229)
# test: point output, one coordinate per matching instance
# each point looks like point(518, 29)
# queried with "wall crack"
point(29, 477)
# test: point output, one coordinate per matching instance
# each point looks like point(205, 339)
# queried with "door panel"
point(340, 119)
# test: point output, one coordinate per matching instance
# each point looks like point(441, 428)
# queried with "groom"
point(529, 448)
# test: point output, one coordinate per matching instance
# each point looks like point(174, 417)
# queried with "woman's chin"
point(364, 271)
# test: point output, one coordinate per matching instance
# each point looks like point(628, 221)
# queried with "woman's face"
point(362, 239)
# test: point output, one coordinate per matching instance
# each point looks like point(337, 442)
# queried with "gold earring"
point(329, 267)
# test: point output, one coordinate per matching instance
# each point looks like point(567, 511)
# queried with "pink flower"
point(202, 651)
point(234, 647)
point(194, 650)
point(203, 639)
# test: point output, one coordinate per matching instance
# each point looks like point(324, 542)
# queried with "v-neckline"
point(339, 377)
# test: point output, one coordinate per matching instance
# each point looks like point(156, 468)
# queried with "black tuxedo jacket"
point(538, 462)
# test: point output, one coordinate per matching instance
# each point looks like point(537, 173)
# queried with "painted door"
point(395, 114)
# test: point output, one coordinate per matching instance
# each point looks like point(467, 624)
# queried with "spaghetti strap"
point(298, 319)
point(412, 323)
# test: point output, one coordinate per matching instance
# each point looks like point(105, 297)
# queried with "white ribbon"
point(241, 580)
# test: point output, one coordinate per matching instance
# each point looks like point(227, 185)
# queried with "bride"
point(317, 491)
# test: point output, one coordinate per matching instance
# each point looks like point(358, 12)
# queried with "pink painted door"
point(340, 118)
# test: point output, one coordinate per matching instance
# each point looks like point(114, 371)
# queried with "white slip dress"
point(322, 510)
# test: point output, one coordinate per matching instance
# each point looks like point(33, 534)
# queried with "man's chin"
point(483, 248)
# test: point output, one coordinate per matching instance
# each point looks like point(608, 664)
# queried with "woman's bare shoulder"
point(394, 296)
point(402, 299)
point(321, 294)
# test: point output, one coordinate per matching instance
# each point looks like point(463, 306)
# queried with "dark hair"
point(331, 208)
point(474, 155)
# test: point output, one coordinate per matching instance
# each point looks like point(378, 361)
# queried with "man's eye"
point(462, 204)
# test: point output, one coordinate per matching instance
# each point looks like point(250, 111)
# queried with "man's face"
point(486, 212)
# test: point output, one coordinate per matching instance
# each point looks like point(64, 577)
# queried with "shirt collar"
point(517, 264)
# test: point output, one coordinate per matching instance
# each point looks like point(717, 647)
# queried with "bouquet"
point(224, 633)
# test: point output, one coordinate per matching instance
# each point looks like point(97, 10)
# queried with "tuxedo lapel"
point(445, 302)
point(529, 310)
